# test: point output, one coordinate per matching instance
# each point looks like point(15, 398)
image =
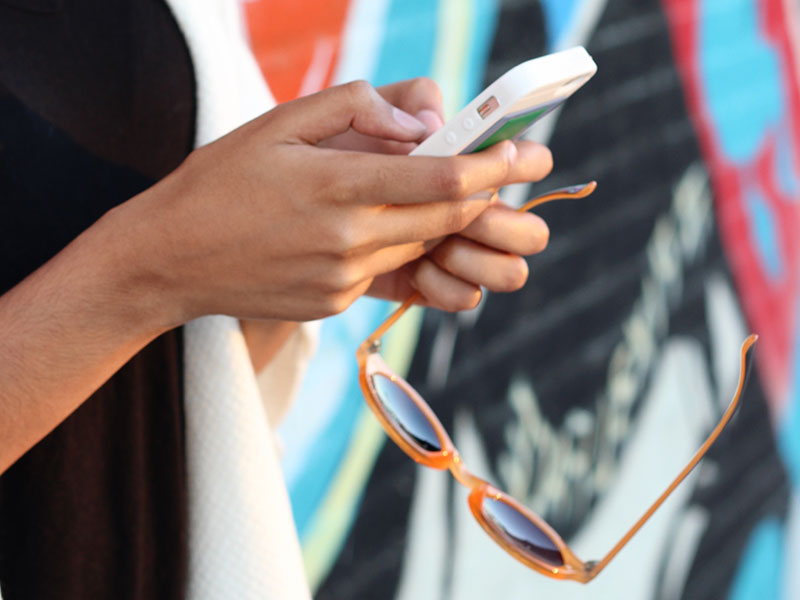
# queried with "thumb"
point(355, 105)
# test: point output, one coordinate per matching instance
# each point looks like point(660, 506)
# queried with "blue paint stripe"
point(759, 574)
point(789, 428)
point(765, 232)
point(485, 14)
point(410, 37)
point(406, 51)
point(558, 15)
point(343, 332)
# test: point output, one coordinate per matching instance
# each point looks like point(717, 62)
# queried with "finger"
point(479, 265)
point(533, 163)
point(432, 119)
point(395, 285)
point(352, 140)
point(503, 228)
point(441, 289)
point(389, 259)
point(380, 179)
point(420, 97)
point(357, 142)
point(439, 179)
point(354, 105)
point(394, 225)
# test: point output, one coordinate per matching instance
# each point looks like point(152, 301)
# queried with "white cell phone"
point(514, 102)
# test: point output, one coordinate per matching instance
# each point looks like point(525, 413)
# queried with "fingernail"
point(486, 197)
point(406, 121)
point(542, 235)
point(512, 151)
point(430, 119)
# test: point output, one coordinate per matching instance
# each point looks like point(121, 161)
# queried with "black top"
point(96, 104)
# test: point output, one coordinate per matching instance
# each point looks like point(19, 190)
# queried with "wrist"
point(132, 271)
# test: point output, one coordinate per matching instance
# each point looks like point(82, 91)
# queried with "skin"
point(291, 217)
point(487, 253)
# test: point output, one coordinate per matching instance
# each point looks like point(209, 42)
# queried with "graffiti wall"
point(586, 392)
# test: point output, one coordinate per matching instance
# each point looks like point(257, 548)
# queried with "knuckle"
point(451, 183)
point(345, 240)
point(427, 87)
point(507, 164)
point(341, 277)
point(335, 190)
point(359, 91)
point(460, 214)
point(336, 303)
point(442, 255)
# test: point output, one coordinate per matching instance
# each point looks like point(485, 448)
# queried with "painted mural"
point(587, 391)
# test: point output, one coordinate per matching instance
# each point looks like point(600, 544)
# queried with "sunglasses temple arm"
point(601, 564)
point(574, 192)
point(390, 320)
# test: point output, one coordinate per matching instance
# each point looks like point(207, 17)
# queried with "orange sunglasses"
point(412, 425)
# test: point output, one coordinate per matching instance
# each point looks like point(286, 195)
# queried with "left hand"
point(487, 253)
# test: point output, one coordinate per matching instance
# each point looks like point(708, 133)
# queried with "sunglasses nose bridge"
point(462, 474)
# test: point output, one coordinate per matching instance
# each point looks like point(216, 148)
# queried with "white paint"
point(586, 18)
point(361, 40)
point(442, 347)
point(791, 558)
point(316, 74)
point(426, 548)
point(681, 550)
point(727, 330)
point(584, 23)
point(444, 343)
point(560, 475)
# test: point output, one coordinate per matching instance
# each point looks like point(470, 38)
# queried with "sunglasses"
point(413, 426)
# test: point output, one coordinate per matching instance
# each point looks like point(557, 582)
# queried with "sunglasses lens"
point(522, 532)
point(405, 414)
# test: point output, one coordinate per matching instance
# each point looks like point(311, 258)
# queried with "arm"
point(261, 224)
point(68, 327)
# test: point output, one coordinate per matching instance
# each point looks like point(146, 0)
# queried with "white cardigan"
point(242, 539)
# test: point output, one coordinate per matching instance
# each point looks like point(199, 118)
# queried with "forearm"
point(68, 327)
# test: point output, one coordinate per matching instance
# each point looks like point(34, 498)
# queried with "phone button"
point(451, 137)
point(468, 124)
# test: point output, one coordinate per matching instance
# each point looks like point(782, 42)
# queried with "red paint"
point(284, 35)
point(770, 305)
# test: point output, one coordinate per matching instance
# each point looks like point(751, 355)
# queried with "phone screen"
point(511, 126)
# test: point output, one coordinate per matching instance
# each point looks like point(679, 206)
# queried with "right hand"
point(264, 223)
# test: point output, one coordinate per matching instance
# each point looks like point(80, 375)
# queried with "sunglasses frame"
point(371, 363)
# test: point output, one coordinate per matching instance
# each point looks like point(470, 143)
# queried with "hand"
point(264, 223)
point(488, 252)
